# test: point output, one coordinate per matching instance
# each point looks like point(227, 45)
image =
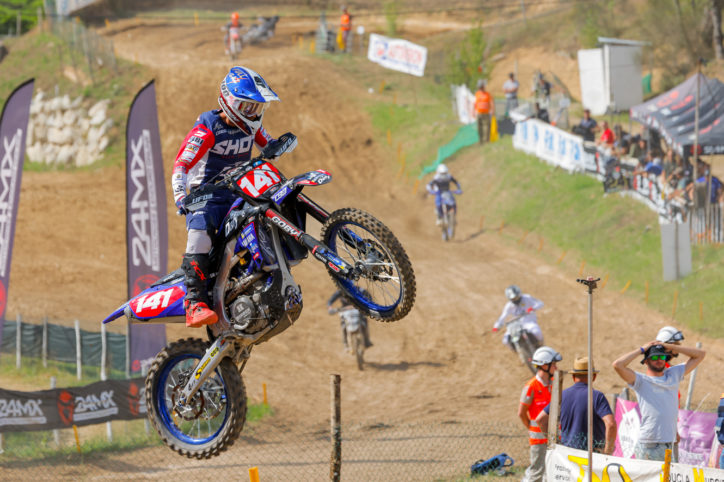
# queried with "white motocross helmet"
point(513, 293)
point(442, 170)
point(545, 355)
point(669, 334)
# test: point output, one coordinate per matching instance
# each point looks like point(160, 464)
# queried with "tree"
point(715, 11)
point(472, 59)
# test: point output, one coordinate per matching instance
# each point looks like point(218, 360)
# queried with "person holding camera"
point(657, 393)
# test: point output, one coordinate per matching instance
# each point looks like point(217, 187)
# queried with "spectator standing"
point(510, 87)
point(345, 26)
point(574, 414)
point(484, 109)
point(535, 397)
point(587, 127)
point(607, 136)
point(656, 391)
point(542, 90)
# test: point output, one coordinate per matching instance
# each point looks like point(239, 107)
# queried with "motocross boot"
point(196, 270)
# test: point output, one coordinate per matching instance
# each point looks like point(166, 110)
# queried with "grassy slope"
point(46, 58)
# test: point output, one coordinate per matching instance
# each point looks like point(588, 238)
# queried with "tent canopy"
point(672, 115)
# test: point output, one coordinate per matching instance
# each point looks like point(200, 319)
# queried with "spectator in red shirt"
point(607, 136)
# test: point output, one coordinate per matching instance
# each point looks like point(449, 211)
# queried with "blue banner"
point(146, 221)
point(13, 130)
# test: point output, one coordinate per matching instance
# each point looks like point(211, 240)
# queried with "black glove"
point(286, 143)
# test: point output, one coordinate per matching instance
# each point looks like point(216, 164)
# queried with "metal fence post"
point(146, 422)
point(56, 432)
point(78, 358)
point(335, 466)
point(44, 353)
point(692, 381)
point(104, 377)
point(18, 341)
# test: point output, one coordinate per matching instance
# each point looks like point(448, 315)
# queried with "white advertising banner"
point(567, 464)
point(464, 104)
point(553, 145)
point(397, 54)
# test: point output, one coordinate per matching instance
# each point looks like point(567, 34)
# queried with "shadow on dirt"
point(402, 366)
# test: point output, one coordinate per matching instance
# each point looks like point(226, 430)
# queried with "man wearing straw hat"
point(656, 391)
point(574, 414)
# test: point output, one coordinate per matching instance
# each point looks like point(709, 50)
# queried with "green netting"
point(646, 84)
point(466, 136)
point(61, 344)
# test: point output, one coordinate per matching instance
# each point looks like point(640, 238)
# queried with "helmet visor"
point(251, 109)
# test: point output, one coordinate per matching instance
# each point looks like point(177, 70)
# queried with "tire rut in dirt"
point(394, 249)
point(235, 400)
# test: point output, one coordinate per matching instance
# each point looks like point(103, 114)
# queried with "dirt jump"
point(441, 363)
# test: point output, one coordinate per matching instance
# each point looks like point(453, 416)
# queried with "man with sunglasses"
point(656, 391)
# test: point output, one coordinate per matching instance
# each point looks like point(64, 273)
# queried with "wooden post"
point(555, 410)
point(19, 28)
point(78, 358)
point(335, 466)
point(18, 341)
point(44, 355)
point(56, 432)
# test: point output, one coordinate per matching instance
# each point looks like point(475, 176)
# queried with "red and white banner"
point(397, 54)
point(13, 130)
point(567, 464)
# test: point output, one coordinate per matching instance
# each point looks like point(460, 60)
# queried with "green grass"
point(616, 236)
point(32, 372)
point(45, 57)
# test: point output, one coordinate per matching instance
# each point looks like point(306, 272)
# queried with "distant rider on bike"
point(439, 184)
point(233, 23)
point(520, 304)
point(346, 304)
point(221, 139)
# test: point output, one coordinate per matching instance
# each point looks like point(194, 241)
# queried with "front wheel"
point(213, 420)
point(525, 353)
point(384, 283)
point(451, 224)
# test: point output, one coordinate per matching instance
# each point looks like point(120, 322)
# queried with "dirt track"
point(440, 363)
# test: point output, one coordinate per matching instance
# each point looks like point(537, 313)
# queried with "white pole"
point(128, 350)
point(56, 432)
point(104, 351)
point(78, 357)
point(18, 341)
point(45, 342)
point(590, 385)
point(104, 377)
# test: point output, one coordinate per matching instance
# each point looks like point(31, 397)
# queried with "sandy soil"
point(440, 363)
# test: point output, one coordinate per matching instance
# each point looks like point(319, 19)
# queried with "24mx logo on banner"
point(8, 186)
point(144, 232)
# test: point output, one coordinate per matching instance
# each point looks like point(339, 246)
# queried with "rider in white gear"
point(520, 304)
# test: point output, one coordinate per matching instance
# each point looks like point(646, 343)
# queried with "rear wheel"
point(214, 418)
point(384, 283)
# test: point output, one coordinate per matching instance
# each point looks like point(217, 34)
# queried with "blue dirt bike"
point(194, 390)
point(448, 206)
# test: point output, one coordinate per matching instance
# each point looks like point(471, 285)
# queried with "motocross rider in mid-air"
point(233, 23)
point(440, 183)
point(345, 303)
point(221, 139)
point(524, 305)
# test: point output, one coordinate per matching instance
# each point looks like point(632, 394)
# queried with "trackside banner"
point(696, 433)
point(567, 464)
point(397, 54)
point(146, 222)
point(553, 145)
point(65, 407)
point(13, 130)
